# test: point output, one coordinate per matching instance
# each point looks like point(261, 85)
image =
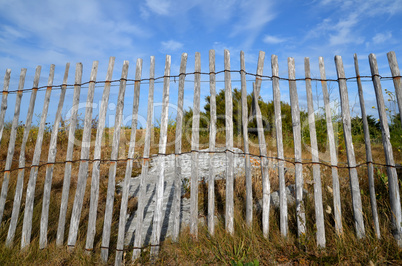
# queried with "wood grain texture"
point(107, 221)
point(394, 197)
point(319, 211)
point(396, 78)
point(283, 204)
point(69, 156)
point(30, 194)
point(145, 163)
point(93, 204)
point(83, 169)
point(369, 157)
point(158, 213)
point(13, 135)
point(195, 136)
point(294, 102)
point(247, 164)
point(347, 132)
point(212, 142)
point(179, 127)
point(4, 97)
point(50, 164)
point(332, 151)
point(229, 146)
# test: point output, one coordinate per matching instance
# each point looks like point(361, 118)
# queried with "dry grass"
point(246, 245)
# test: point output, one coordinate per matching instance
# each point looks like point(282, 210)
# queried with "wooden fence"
point(13, 221)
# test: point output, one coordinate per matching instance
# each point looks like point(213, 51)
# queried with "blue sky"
point(55, 32)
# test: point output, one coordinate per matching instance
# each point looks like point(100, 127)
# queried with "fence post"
point(332, 151)
point(69, 156)
point(107, 221)
point(396, 77)
point(83, 170)
point(354, 181)
point(158, 213)
point(247, 164)
point(30, 194)
point(145, 163)
point(283, 204)
point(229, 145)
point(177, 170)
point(194, 148)
point(294, 101)
point(93, 204)
point(212, 141)
point(394, 197)
point(4, 101)
point(50, 164)
point(13, 136)
point(369, 157)
point(319, 212)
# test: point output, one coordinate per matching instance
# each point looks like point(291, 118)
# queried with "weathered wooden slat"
point(394, 197)
point(347, 132)
point(107, 224)
point(4, 101)
point(266, 187)
point(13, 136)
point(264, 167)
point(247, 164)
point(158, 213)
point(145, 163)
point(369, 157)
point(83, 170)
point(294, 102)
point(212, 141)
point(229, 146)
point(93, 205)
point(396, 77)
point(69, 156)
point(179, 129)
point(195, 135)
point(332, 151)
point(30, 194)
point(283, 204)
point(319, 211)
point(21, 170)
point(50, 164)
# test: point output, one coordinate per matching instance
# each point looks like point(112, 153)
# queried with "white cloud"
point(382, 37)
point(273, 39)
point(160, 7)
point(171, 46)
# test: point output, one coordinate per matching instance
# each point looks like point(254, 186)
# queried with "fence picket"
point(126, 182)
point(212, 141)
point(332, 151)
point(319, 212)
point(158, 213)
point(177, 171)
point(107, 221)
point(13, 136)
point(4, 101)
point(229, 146)
point(30, 194)
point(247, 164)
point(394, 197)
point(283, 204)
point(396, 78)
point(50, 164)
point(369, 157)
point(93, 205)
point(69, 156)
point(83, 170)
point(354, 181)
point(194, 148)
point(294, 102)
